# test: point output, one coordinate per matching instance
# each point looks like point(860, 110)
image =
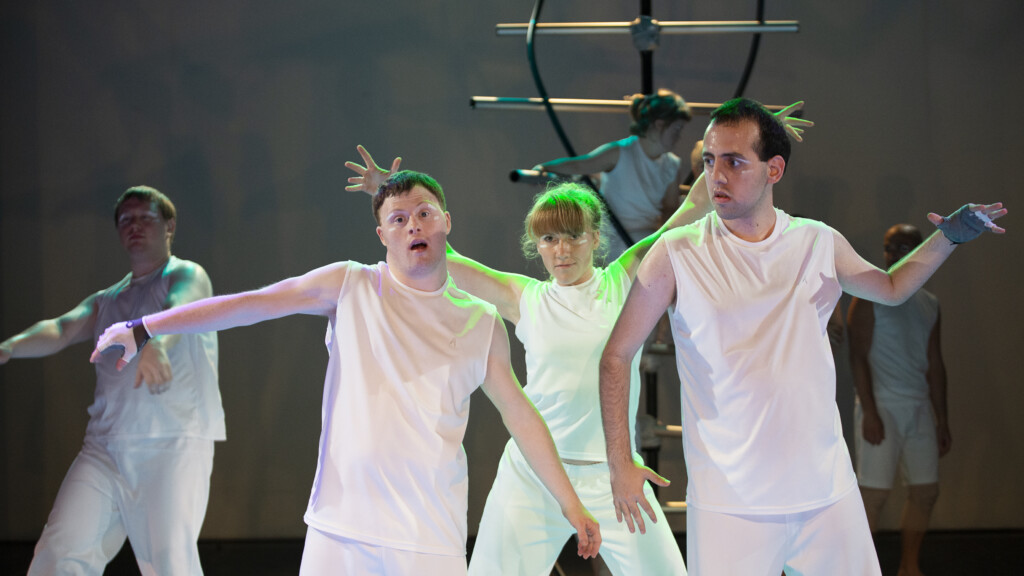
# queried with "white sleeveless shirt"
point(564, 330)
point(403, 363)
point(635, 187)
point(191, 405)
point(899, 349)
point(761, 429)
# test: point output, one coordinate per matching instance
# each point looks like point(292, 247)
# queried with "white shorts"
point(910, 443)
point(833, 540)
point(522, 530)
point(152, 491)
point(325, 554)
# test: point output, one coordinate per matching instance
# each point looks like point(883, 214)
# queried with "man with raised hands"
point(407, 348)
point(751, 290)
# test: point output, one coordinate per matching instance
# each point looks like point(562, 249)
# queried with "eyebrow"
point(127, 213)
point(417, 207)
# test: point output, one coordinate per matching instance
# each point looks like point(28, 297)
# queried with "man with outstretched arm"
point(144, 469)
point(407, 348)
point(751, 290)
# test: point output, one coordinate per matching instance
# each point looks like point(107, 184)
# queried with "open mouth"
point(418, 246)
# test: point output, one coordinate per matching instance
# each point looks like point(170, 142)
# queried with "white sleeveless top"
point(564, 330)
point(761, 429)
point(899, 349)
point(635, 187)
point(403, 363)
point(191, 405)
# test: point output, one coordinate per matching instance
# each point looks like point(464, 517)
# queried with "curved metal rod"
point(755, 43)
point(696, 27)
point(545, 102)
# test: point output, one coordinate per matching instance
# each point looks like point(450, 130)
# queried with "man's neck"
point(145, 266)
point(427, 281)
point(753, 229)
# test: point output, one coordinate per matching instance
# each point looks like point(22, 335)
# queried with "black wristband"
point(139, 331)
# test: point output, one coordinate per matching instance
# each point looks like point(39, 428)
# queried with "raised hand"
point(969, 221)
point(794, 126)
point(370, 176)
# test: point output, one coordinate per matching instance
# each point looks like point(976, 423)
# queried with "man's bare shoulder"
point(181, 269)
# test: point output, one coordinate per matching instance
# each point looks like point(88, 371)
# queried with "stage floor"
point(945, 553)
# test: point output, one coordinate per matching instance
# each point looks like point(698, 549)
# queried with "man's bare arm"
point(861, 325)
point(315, 293)
point(651, 293)
point(50, 336)
point(862, 279)
point(936, 377)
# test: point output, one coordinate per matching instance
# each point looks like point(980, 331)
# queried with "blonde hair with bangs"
point(567, 208)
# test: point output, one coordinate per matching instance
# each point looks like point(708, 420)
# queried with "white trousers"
point(327, 554)
point(522, 530)
point(152, 491)
point(833, 540)
point(911, 444)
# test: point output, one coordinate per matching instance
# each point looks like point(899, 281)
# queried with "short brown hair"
point(402, 182)
point(147, 194)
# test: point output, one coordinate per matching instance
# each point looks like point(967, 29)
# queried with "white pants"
point(325, 554)
point(522, 530)
point(911, 443)
point(152, 491)
point(833, 541)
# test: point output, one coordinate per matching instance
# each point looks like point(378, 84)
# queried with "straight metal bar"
point(672, 27)
point(574, 105)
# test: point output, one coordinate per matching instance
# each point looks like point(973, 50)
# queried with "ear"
point(776, 168)
point(448, 223)
point(171, 226)
point(380, 234)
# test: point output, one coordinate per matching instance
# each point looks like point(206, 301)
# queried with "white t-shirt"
point(564, 330)
point(899, 349)
point(761, 429)
point(403, 363)
point(191, 405)
point(635, 188)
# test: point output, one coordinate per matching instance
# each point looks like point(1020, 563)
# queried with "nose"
point(715, 174)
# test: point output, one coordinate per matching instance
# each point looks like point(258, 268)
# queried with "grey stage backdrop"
point(244, 112)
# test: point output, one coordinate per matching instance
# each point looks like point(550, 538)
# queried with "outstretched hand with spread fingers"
point(794, 126)
point(969, 221)
point(370, 176)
